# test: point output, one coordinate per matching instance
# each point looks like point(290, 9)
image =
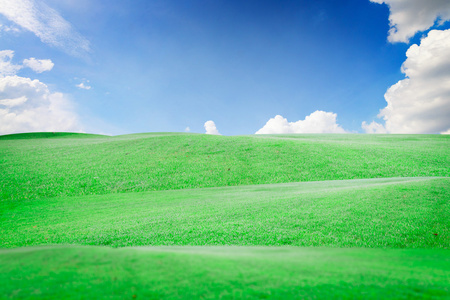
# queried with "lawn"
point(223, 273)
point(71, 165)
point(386, 213)
point(186, 216)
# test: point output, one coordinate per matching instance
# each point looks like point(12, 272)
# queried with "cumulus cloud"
point(13, 102)
point(28, 105)
point(211, 128)
point(83, 86)
point(38, 65)
point(420, 103)
point(317, 122)
point(7, 68)
point(373, 127)
point(45, 23)
point(407, 17)
point(187, 129)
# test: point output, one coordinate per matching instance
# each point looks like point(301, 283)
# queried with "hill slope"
point(333, 191)
point(37, 168)
point(387, 213)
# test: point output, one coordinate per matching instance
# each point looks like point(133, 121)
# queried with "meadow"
point(183, 216)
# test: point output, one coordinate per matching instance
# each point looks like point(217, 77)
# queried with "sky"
point(225, 67)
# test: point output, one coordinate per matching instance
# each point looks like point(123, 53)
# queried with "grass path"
point(387, 212)
point(223, 273)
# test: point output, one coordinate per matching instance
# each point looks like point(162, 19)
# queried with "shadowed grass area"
point(224, 272)
point(80, 165)
point(394, 213)
point(47, 135)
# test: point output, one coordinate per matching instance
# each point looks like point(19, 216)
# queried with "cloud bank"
point(420, 103)
point(407, 17)
point(317, 122)
point(28, 105)
point(45, 23)
point(211, 128)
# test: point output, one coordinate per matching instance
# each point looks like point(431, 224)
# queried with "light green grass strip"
point(223, 273)
point(74, 165)
point(392, 213)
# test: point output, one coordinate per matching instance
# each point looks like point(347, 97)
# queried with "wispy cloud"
point(83, 86)
point(7, 68)
point(45, 23)
point(9, 28)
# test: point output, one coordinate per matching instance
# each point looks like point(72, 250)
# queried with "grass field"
point(72, 165)
point(394, 213)
point(224, 273)
point(197, 216)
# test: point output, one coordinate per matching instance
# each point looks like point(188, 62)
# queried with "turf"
point(387, 213)
point(284, 216)
point(223, 273)
point(36, 168)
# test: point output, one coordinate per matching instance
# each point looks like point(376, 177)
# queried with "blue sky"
point(150, 66)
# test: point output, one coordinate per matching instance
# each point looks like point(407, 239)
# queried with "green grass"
point(283, 216)
point(47, 135)
point(387, 213)
point(223, 273)
point(36, 168)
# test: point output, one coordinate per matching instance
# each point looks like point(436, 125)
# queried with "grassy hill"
point(387, 213)
point(332, 216)
point(76, 165)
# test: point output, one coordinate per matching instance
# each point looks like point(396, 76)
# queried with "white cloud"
point(38, 65)
point(6, 67)
point(187, 129)
point(13, 102)
point(373, 127)
point(317, 122)
point(45, 23)
point(5, 28)
point(420, 103)
point(210, 128)
point(407, 17)
point(83, 86)
point(28, 105)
